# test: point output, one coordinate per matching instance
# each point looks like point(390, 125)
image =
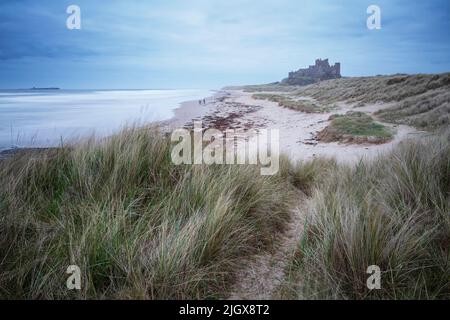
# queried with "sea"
point(47, 118)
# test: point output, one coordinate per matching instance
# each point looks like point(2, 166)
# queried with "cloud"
point(223, 41)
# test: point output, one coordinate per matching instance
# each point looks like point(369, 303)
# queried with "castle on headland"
point(318, 72)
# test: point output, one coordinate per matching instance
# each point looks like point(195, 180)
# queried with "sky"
point(126, 44)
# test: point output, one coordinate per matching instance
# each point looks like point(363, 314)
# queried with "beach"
point(236, 109)
point(239, 110)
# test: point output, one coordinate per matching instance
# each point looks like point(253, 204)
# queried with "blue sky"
point(212, 43)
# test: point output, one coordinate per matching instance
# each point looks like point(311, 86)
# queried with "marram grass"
point(393, 212)
point(136, 225)
point(140, 227)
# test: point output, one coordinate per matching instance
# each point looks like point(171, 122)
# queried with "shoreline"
point(181, 112)
point(298, 130)
point(190, 110)
point(236, 109)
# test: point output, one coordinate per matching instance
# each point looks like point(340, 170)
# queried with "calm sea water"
point(43, 118)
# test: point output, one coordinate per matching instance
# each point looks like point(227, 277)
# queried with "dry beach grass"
point(393, 212)
point(419, 100)
point(136, 225)
point(140, 227)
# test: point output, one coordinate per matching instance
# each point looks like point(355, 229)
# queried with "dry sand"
point(236, 109)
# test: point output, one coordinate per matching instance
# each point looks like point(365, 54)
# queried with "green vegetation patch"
point(287, 102)
point(270, 87)
point(357, 127)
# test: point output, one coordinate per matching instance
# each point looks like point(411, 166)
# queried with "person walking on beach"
point(204, 101)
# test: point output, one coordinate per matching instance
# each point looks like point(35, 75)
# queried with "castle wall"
point(318, 72)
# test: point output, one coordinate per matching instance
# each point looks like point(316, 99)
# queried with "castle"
point(318, 72)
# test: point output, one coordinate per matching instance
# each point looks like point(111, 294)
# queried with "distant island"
point(50, 88)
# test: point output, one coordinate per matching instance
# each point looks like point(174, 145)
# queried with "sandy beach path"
point(298, 130)
point(262, 275)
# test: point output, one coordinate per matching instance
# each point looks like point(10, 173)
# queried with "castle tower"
point(337, 68)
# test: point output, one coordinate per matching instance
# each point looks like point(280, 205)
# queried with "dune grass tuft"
point(136, 225)
point(140, 227)
point(393, 213)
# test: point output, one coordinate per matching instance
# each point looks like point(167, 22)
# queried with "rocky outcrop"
point(318, 72)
